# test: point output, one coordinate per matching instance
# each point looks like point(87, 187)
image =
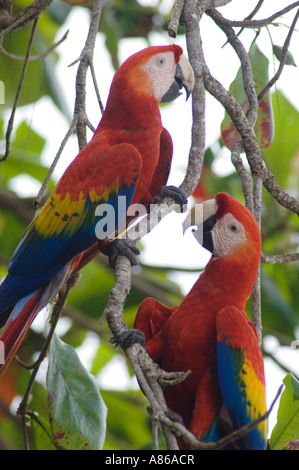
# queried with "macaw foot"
point(174, 193)
point(121, 247)
point(175, 417)
point(128, 338)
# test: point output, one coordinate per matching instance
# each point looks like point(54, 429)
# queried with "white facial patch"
point(228, 233)
point(161, 72)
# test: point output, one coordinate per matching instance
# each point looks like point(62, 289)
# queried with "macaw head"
point(160, 71)
point(226, 228)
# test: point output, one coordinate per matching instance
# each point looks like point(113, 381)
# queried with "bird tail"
point(25, 310)
point(17, 325)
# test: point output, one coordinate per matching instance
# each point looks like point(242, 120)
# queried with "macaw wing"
point(150, 319)
point(241, 375)
point(162, 170)
point(66, 225)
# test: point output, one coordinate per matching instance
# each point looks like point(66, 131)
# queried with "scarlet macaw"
point(210, 334)
point(129, 155)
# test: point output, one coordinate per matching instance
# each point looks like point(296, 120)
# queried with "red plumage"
point(187, 337)
point(129, 156)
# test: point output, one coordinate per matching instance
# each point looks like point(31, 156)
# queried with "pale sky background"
point(170, 247)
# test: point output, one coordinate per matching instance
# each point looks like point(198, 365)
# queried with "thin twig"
point(14, 108)
point(34, 57)
point(279, 259)
point(174, 19)
point(251, 147)
point(252, 14)
point(248, 81)
point(85, 59)
point(80, 120)
point(43, 188)
point(95, 84)
point(282, 59)
point(32, 11)
point(256, 291)
point(57, 311)
point(198, 131)
point(225, 441)
point(255, 24)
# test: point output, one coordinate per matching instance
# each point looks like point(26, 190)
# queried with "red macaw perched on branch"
point(129, 155)
point(210, 334)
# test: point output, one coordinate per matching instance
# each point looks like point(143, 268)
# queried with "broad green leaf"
point(279, 314)
point(129, 423)
point(28, 140)
point(264, 128)
point(280, 156)
point(25, 156)
point(277, 50)
point(132, 19)
point(90, 295)
point(103, 355)
point(40, 76)
point(76, 409)
point(287, 426)
point(11, 230)
point(42, 434)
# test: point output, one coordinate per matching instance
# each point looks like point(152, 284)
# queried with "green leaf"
point(287, 426)
point(25, 156)
point(42, 434)
point(132, 20)
point(76, 409)
point(40, 78)
point(264, 127)
point(277, 50)
point(129, 424)
point(278, 312)
point(280, 155)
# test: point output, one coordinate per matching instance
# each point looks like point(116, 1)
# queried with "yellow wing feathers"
point(62, 214)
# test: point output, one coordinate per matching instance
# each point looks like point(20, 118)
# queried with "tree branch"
point(57, 311)
point(80, 120)
point(14, 108)
point(255, 24)
point(198, 132)
point(251, 147)
point(34, 57)
point(282, 59)
point(32, 11)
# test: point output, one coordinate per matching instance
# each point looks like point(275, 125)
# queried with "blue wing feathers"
point(37, 259)
point(233, 390)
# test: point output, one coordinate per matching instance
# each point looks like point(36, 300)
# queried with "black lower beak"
point(207, 239)
point(174, 91)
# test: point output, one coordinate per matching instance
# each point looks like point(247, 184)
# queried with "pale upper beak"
point(202, 218)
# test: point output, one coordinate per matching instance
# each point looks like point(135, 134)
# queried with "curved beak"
point(202, 218)
point(184, 78)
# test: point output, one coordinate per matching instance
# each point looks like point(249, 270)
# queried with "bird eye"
point(161, 61)
point(233, 228)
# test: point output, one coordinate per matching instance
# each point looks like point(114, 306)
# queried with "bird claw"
point(119, 247)
point(175, 417)
point(128, 338)
point(174, 193)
